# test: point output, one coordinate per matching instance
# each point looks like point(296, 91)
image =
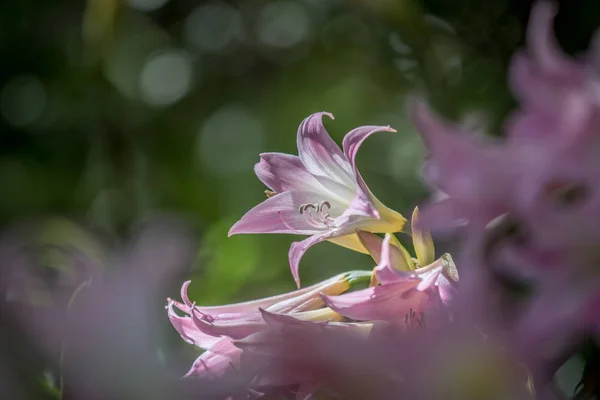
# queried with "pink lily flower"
point(319, 193)
point(403, 294)
point(214, 329)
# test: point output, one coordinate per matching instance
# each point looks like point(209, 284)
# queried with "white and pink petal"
point(319, 153)
point(282, 172)
point(280, 214)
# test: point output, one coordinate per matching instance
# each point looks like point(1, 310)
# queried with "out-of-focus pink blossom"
point(458, 362)
point(545, 176)
point(319, 193)
point(474, 177)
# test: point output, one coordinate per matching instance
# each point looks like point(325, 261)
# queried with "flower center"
point(317, 215)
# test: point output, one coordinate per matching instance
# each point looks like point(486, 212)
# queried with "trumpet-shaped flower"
point(319, 193)
point(404, 290)
point(545, 177)
point(474, 176)
point(555, 131)
point(215, 328)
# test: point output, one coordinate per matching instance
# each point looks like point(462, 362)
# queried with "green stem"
point(356, 277)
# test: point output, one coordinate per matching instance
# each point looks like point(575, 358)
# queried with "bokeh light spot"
point(213, 27)
point(230, 141)
point(166, 77)
point(282, 24)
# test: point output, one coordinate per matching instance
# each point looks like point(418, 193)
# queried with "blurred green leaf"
point(225, 264)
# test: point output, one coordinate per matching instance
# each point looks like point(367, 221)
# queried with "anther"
point(320, 218)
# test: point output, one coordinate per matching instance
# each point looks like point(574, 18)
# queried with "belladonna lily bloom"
point(213, 329)
point(405, 291)
point(474, 176)
point(319, 193)
point(558, 196)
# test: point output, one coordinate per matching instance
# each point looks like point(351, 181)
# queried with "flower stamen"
point(317, 215)
point(412, 321)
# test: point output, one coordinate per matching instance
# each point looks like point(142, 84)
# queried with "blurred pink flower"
point(554, 136)
point(546, 175)
point(319, 193)
point(473, 176)
point(545, 178)
point(355, 362)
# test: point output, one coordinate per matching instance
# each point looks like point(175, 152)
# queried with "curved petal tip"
point(184, 294)
point(296, 252)
point(233, 230)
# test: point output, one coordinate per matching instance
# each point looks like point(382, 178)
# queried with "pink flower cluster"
point(527, 210)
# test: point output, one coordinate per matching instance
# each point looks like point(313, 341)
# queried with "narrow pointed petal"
point(446, 281)
point(282, 320)
point(235, 328)
point(187, 329)
point(407, 257)
point(422, 240)
point(319, 153)
point(238, 326)
point(325, 314)
point(284, 172)
point(215, 364)
point(307, 300)
point(475, 175)
point(452, 154)
point(294, 301)
point(534, 90)
point(391, 260)
point(279, 214)
point(386, 302)
point(297, 250)
point(389, 221)
point(363, 203)
point(384, 272)
point(372, 243)
point(446, 290)
point(375, 245)
point(259, 343)
point(543, 45)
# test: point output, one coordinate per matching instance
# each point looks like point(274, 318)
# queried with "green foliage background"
point(80, 142)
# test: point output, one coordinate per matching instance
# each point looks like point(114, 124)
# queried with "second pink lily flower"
point(403, 290)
